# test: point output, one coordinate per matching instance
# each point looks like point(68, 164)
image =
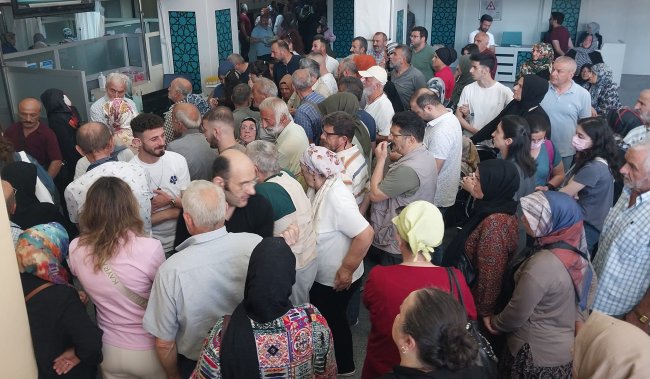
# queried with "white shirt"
point(332, 64)
point(635, 136)
point(443, 138)
point(171, 175)
point(339, 222)
point(475, 32)
point(83, 163)
point(356, 171)
point(97, 109)
point(485, 103)
point(330, 82)
point(382, 111)
point(135, 176)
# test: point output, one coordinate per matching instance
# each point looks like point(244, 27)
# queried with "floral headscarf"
point(544, 63)
point(40, 251)
point(119, 115)
point(322, 161)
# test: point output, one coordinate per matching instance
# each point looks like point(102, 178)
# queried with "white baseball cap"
point(376, 72)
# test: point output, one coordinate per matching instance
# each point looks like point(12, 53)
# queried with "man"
point(481, 40)
point(325, 83)
point(377, 104)
point(347, 67)
point(218, 127)
point(338, 133)
point(241, 66)
point(623, 259)
point(421, 51)
point(178, 90)
point(291, 139)
point(641, 132)
point(565, 103)
point(290, 207)
point(558, 35)
point(482, 100)
point(354, 85)
point(264, 88)
point(9, 193)
point(190, 142)
point(412, 177)
point(286, 61)
point(95, 142)
point(484, 26)
point(307, 115)
point(261, 36)
point(241, 98)
point(245, 29)
point(319, 46)
point(9, 43)
point(29, 134)
point(200, 284)
point(405, 77)
point(116, 85)
point(443, 137)
point(168, 176)
point(359, 46)
point(379, 41)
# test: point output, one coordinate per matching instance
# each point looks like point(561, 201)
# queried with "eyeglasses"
point(331, 134)
point(400, 135)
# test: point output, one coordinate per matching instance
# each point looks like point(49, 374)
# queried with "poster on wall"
point(492, 7)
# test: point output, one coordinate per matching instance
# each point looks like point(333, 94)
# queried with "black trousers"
point(333, 305)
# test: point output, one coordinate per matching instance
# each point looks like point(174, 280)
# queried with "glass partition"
point(37, 59)
point(95, 56)
point(155, 50)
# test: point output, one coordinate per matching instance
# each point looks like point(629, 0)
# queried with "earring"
point(403, 349)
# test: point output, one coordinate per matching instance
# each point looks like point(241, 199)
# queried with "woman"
point(431, 336)
point(29, 210)
point(541, 63)
point(343, 239)
point(248, 131)
point(527, 93)
point(259, 69)
point(551, 291)
point(238, 345)
point(440, 62)
point(66, 342)
point(585, 53)
point(489, 238)
point(591, 179)
point(112, 243)
point(549, 172)
point(463, 78)
point(512, 138)
point(469, 49)
point(419, 231)
point(609, 348)
point(593, 28)
point(286, 87)
point(585, 74)
point(603, 90)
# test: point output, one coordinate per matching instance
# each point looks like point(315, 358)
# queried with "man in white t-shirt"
point(319, 46)
point(378, 106)
point(484, 99)
point(443, 138)
point(484, 26)
point(168, 176)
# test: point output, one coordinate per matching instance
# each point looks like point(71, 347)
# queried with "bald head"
point(10, 196)
point(178, 89)
point(187, 115)
point(481, 40)
point(301, 80)
point(93, 138)
point(235, 172)
point(29, 113)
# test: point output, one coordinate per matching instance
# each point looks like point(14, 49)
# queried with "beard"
point(156, 152)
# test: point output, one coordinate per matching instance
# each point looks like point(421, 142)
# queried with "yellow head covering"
point(420, 224)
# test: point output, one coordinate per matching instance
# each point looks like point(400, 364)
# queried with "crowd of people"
point(236, 236)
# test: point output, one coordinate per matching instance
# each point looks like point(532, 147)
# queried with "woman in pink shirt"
point(116, 265)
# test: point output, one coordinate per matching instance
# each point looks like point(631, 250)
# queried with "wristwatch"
point(642, 318)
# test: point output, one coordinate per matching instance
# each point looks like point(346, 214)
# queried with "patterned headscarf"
point(544, 63)
point(556, 217)
point(582, 53)
point(322, 161)
point(421, 225)
point(119, 114)
point(40, 251)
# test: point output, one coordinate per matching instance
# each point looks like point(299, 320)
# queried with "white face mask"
point(536, 145)
point(67, 101)
point(580, 144)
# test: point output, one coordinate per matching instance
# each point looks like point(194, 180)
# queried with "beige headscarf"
point(420, 224)
point(607, 348)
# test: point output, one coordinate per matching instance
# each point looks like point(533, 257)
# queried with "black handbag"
point(465, 266)
point(486, 360)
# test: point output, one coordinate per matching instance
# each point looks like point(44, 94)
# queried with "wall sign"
point(492, 7)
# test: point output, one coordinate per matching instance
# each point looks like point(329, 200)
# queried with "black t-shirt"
point(280, 69)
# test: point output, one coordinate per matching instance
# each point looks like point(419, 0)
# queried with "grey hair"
point(278, 106)
point(406, 52)
point(568, 60)
point(302, 79)
point(311, 65)
point(182, 89)
point(185, 119)
point(264, 155)
point(116, 77)
point(205, 202)
point(236, 58)
point(348, 64)
point(267, 87)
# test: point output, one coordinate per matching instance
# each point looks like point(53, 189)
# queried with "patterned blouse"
point(298, 345)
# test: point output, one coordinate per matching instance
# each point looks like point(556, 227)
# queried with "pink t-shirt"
point(135, 265)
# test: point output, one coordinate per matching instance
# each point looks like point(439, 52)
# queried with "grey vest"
point(382, 213)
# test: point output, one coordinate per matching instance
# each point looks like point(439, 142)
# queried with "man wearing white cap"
point(377, 105)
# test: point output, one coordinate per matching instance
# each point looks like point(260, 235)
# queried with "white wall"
point(371, 17)
point(622, 22)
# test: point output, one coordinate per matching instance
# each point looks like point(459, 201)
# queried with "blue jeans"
point(591, 234)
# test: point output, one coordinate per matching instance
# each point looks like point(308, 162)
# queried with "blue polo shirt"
point(564, 111)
